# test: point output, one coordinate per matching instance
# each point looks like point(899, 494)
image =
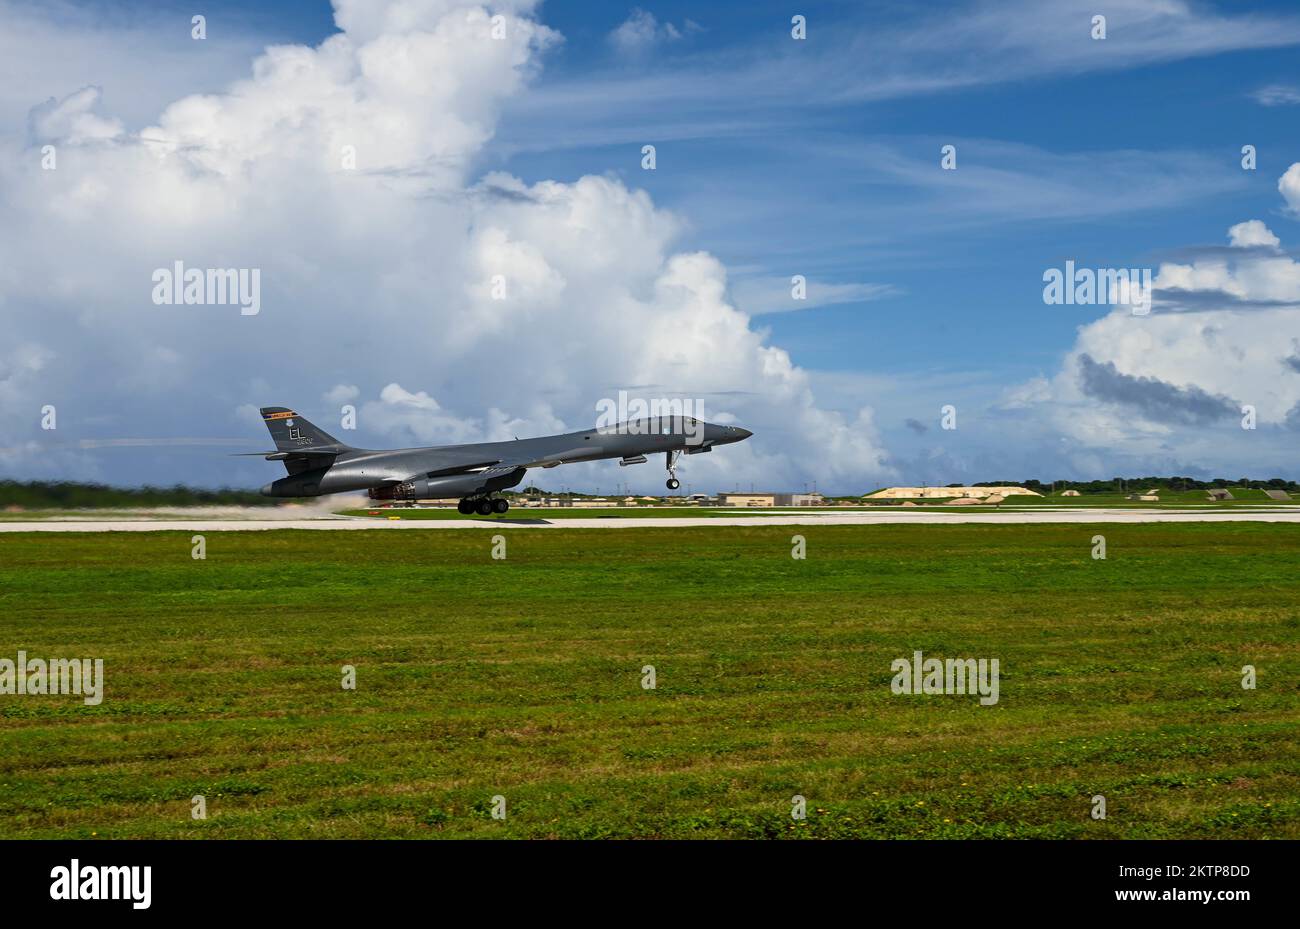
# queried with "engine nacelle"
point(450, 485)
point(302, 484)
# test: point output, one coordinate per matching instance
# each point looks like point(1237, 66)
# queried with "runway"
point(536, 520)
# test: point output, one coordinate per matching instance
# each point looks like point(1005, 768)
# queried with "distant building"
point(1219, 494)
point(544, 501)
point(1070, 493)
point(770, 499)
point(812, 499)
point(933, 493)
point(1273, 495)
point(749, 499)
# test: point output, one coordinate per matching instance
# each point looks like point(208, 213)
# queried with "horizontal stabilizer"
point(296, 453)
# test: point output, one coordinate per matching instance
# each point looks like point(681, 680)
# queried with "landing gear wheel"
point(500, 505)
point(465, 507)
point(483, 507)
point(670, 459)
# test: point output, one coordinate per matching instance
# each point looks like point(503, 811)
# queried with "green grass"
point(522, 678)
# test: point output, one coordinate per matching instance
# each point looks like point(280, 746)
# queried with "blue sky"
point(821, 158)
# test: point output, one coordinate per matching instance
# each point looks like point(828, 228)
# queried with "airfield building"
point(770, 499)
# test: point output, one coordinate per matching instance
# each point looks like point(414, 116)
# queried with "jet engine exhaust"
point(404, 491)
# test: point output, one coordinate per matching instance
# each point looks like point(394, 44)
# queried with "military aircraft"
point(320, 464)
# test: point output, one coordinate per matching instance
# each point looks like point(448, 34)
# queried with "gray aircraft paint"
point(318, 464)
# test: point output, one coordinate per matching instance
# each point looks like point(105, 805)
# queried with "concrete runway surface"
point(534, 520)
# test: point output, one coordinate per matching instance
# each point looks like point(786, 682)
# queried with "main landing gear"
point(671, 462)
point(483, 506)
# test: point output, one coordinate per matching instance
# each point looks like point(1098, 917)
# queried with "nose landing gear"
point(671, 462)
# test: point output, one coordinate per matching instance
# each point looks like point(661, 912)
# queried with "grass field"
point(522, 678)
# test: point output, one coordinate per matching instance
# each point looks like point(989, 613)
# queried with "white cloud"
point(1251, 278)
point(1252, 232)
point(641, 30)
point(1166, 389)
point(379, 275)
point(1289, 185)
point(773, 294)
point(72, 120)
point(919, 50)
point(142, 55)
point(341, 393)
point(1277, 95)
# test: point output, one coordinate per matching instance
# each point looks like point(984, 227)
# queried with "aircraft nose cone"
point(743, 433)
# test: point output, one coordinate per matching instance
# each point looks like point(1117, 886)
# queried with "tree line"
point(39, 495)
point(1132, 484)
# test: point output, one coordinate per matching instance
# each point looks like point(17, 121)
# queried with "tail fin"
point(292, 433)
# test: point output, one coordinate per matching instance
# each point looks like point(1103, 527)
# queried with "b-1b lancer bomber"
point(320, 464)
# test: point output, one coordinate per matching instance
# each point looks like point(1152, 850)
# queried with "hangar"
point(770, 499)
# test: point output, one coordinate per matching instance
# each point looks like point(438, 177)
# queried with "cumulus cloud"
point(1250, 233)
point(450, 307)
point(1169, 388)
point(341, 393)
point(1252, 273)
point(72, 119)
point(1154, 398)
point(1292, 360)
point(1289, 185)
